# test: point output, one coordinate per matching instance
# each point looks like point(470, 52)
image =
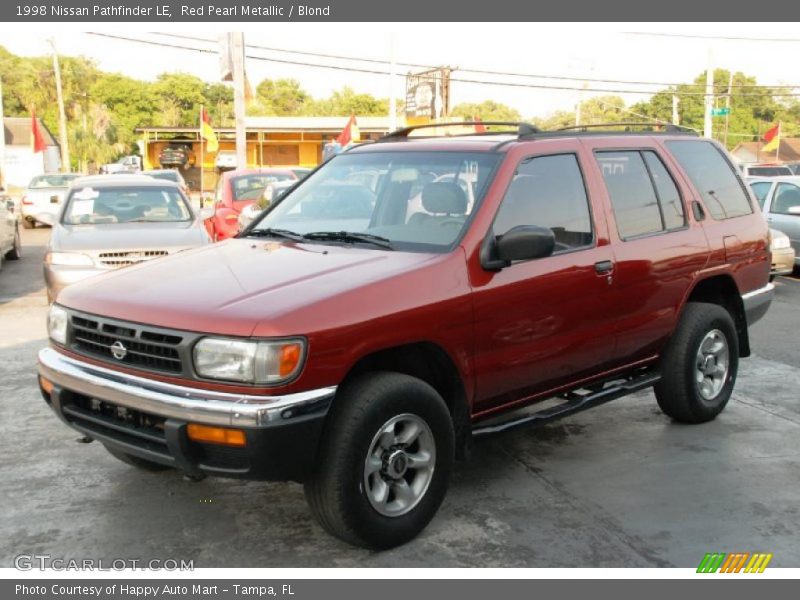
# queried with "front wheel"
point(384, 462)
point(16, 250)
point(699, 366)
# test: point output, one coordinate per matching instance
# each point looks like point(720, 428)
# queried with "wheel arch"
point(722, 290)
point(432, 364)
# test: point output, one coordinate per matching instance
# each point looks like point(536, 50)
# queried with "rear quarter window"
point(713, 177)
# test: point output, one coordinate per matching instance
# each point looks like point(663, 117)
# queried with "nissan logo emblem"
point(118, 351)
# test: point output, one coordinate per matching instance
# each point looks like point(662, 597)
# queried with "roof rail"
point(520, 129)
point(645, 127)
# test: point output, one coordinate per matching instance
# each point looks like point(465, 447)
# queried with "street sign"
point(720, 112)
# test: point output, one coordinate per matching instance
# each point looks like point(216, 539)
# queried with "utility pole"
point(2, 141)
point(709, 97)
point(728, 106)
point(675, 117)
point(237, 50)
point(63, 140)
point(392, 77)
point(580, 101)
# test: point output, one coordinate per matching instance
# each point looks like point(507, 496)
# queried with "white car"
point(44, 196)
point(10, 247)
point(226, 160)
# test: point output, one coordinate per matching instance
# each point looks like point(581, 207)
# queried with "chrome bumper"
point(180, 402)
point(757, 302)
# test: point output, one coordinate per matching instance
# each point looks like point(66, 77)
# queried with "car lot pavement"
point(617, 486)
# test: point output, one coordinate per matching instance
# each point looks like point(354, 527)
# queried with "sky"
point(593, 50)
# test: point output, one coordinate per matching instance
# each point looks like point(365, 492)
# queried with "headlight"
point(779, 242)
point(250, 362)
point(57, 319)
point(72, 259)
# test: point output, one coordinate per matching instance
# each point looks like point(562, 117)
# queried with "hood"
point(228, 288)
point(126, 236)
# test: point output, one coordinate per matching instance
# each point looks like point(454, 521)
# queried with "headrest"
point(444, 197)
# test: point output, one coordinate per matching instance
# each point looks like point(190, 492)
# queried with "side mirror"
point(206, 213)
point(46, 218)
point(794, 210)
point(523, 242)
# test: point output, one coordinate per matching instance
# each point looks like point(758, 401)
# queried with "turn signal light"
point(290, 356)
point(46, 384)
point(216, 435)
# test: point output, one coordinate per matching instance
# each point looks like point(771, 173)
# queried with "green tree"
point(345, 102)
point(280, 97)
point(488, 110)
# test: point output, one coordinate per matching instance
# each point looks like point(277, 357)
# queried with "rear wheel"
point(384, 462)
point(135, 461)
point(699, 366)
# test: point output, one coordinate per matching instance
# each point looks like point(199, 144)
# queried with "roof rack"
point(519, 128)
point(628, 127)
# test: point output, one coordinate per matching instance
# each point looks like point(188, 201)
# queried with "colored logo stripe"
point(734, 562)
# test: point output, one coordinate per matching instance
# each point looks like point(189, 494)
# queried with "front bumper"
point(757, 302)
point(148, 418)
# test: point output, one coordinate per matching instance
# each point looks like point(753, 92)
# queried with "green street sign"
point(720, 112)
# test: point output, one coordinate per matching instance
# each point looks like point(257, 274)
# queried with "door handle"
point(603, 267)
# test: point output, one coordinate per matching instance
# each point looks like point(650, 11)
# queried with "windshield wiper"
point(278, 233)
point(350, 237)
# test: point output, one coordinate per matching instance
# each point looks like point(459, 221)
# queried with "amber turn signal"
point(46, 384)
point(290, 356)
point(216, 435)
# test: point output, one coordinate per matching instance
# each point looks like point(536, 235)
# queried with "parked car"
point(112, 222)
point(44, 196)
point(225, 160)
point(126, 165)
point(10, 243)
point(783, 255)
point(779, 198)
point(272, 193)
point(236, 190)
point(765, 170)
point(169, 175)
point(359, 350)
point(176, 156)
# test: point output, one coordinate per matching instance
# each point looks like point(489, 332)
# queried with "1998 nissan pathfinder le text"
point(413, 293)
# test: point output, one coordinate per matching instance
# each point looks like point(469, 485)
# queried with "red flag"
point(479, 127)
point(350, 133)
point(37, 137)
point(769, 134)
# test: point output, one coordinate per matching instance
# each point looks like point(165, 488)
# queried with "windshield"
point(417, 201)
point(51, 181)
point(251, 187)
point(92, 206)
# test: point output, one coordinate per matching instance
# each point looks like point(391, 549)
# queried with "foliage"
point(488, 110)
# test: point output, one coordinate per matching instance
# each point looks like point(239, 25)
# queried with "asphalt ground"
point(617, 486)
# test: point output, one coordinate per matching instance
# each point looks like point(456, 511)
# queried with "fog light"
point(216, 435)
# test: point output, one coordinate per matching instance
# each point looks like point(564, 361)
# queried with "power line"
point(452, 79)
point(465, 69)
point(713, 37)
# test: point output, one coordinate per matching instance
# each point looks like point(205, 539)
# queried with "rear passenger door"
point(657, 253)
point(544, 323)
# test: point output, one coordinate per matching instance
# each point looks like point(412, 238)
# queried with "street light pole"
point(237, 50)
point(63, 140)
point(709, 98)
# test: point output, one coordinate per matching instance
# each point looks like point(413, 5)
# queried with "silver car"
point(108, 222)
point(44, 196)
point(779, 198)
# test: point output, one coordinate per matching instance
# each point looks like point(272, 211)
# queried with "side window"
point(633, 197)
point(713, 177)
point(668, 196)
point(761, 189)
point(787, 196)
point(548, 191)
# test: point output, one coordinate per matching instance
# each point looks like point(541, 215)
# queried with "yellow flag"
point(773, 145)
point(207, 132)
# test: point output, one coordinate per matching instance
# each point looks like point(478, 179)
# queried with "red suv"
point(357, 342)
point(236, 190)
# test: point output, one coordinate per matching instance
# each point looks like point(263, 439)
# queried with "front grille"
point(127, 344)
point(124, 258)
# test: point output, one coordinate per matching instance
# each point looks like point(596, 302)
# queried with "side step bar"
point(575, 402)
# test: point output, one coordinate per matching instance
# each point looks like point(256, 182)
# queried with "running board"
point(575, 402)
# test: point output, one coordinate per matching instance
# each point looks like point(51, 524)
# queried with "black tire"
point(26, 224)
point(337, 492)
point(16, 251)
point(135, 461)
point(679, 394)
